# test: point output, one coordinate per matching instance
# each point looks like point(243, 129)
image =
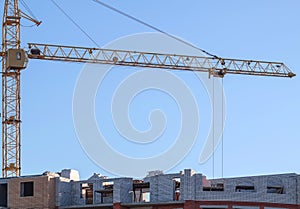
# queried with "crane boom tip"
point(290, 74)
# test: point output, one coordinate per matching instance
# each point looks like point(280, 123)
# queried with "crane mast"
point(10, 92)
point(14, 59)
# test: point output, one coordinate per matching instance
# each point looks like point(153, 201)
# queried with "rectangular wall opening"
point(3, 195)
point(141, 191)
point(275, 189)
point(245, 188)
point(219, 187)
point(27, 189)
point(107, 192)
point(176, 186)
point(87, 193)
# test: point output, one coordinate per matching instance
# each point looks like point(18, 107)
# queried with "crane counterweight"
point(16, 58)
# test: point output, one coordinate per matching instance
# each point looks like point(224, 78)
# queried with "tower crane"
point(14, 60)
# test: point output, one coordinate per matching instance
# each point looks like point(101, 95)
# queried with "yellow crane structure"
point(14, 59)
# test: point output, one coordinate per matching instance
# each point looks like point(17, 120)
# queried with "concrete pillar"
point(122, 190)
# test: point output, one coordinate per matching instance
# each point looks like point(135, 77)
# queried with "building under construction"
point(183, 190)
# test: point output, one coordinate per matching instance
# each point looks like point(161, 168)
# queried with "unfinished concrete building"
point(183, 190)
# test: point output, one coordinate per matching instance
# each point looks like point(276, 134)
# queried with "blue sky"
point(261, 133)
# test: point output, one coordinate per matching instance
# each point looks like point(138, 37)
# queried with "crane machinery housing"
point(14, 59)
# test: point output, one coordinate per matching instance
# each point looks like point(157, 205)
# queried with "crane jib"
point(217, 67)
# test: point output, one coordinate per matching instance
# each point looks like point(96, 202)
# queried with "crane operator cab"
point(16, 59)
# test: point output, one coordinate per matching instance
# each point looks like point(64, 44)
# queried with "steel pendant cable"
point(153, 27)
point(27, 8)
point(75, 23)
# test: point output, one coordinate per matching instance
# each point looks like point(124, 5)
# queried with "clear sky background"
point(262, 124)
